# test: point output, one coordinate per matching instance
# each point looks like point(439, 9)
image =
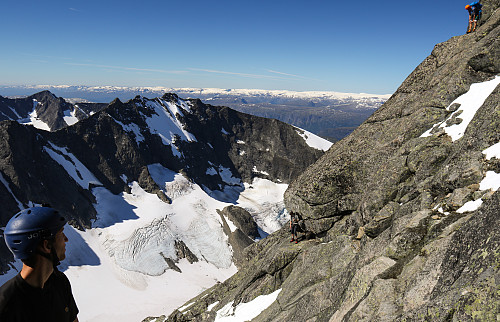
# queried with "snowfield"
point(246, 311)
point(313, 140)
point(470, 103)
point(118, 268)
point(34, 120)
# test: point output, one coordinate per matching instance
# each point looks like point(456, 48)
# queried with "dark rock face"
point(242, 220)
point(182, 251)
point(32, 175)
point(241, 236)
point(237, 239)
point(394, 241)
point(250, 139)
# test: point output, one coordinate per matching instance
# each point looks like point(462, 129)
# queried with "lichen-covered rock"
point(382, 220)
point(361, 284)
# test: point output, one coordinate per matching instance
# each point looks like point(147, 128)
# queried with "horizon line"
point(207, 90)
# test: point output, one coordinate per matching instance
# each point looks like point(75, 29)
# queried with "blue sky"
point(364, 46)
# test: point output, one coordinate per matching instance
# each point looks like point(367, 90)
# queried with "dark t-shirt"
point(20, 302)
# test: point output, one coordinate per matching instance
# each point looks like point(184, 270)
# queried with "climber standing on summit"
point(475, 11)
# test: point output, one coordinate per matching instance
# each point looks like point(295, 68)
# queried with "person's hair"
point(31, 261)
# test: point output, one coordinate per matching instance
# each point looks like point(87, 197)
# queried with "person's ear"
point(46, 246)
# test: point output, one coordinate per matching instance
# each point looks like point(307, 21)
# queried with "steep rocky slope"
point(401, 215)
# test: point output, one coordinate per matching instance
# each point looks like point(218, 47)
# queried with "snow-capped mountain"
point(95, 91)
point(45, 111)
point(328, 114)
point(155, 190)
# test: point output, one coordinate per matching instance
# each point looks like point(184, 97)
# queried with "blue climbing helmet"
point(476, 6)
point(28, 227)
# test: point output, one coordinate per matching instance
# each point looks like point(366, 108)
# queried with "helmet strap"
point(52, 256)
point(55, 258)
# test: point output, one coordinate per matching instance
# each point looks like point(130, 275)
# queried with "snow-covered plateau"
point(159, 90)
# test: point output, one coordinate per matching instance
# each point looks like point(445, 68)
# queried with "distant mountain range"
point(331, 115)
point(163, 194)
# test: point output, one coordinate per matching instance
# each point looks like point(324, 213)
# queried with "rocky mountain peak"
point(46, 111)
point(171, 97)
point(44, 96)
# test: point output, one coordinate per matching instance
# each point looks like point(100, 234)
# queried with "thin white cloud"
point(291, 75)
point(236, 73)
point(130, 68)
point(281, 73)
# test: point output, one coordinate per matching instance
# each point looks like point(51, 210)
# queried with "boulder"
point(243, 220)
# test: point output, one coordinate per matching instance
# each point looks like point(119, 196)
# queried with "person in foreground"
point(40, 292)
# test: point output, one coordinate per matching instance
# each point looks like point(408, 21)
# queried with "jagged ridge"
point(214, 147)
